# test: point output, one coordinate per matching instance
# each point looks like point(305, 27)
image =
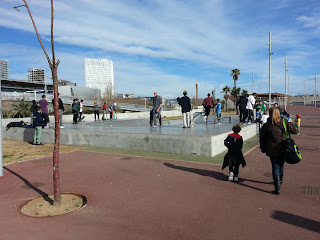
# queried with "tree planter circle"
point(44, 207)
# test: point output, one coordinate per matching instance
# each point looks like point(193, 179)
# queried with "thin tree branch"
point(35, 28)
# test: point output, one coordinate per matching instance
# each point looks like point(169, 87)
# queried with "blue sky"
point(169, 45)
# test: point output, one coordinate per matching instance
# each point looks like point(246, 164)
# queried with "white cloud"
point(205, 34)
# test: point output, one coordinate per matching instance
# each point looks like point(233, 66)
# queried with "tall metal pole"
point(252, 80)
point(269, 43)
point(285, 85)
point(304, 93)
point(315, 90)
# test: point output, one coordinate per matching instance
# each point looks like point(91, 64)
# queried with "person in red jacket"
point(208, 103)
point(104, 108)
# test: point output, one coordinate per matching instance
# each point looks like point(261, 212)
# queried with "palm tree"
point(235, 73)
point(21, 108)
point(244, 92)
point(235, 92)
point(226, 90)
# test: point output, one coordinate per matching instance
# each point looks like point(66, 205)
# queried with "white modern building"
point(4, 69)
point(36, 75)
point(99, 75)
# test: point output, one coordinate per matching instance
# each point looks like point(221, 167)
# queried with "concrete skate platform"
point(204, 139)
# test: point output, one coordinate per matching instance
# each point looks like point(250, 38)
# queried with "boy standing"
point(218, 111)
point(37, 124)
point(75, 110)
point(234, 157)
point(104, 108)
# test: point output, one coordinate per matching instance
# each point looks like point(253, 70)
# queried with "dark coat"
point(272, 137)
point(60, 103)
point(185, 104)
point(242, 103)
point(37, 119)
point(234, 157)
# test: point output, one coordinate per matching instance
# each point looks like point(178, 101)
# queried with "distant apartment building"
point(36, 75)
point(99, 75)
point(4, 69)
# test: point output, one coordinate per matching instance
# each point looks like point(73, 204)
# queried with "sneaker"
point(219, 122)
point(235, 179)
point(205, 119)
point(154, 126)
point(61, 126)
point(230, 177)
point(249, 123)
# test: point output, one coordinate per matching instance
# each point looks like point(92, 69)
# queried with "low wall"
point(207, 146)
point(90, 117)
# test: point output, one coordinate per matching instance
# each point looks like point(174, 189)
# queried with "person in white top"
point(250, 107)
point(264, 117)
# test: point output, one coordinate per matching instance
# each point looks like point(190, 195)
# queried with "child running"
point(218, 111)
point(234, 157)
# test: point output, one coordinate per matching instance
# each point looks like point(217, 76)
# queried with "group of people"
point(77, 110)
point(208, 103)
point(272, 137)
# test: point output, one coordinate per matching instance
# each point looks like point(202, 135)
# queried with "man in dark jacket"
point(208, 103)
point(242, 103)
point(186, 109)
point(61, 110)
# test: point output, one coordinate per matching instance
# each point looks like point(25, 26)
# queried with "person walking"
point(271, 141)
point(242, 104)
point(186, 109)
point(207, 103)
point(111, 110)
point(37, 124)
point(157, 103)
point(250, 106)
point(96, 111)
point(218, 111)
point(75, 110)
point(81, 111)
point(61, 110)
point(44, 108)
point(104, 108)
point(234, 157)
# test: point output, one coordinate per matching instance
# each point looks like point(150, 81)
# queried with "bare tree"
point(53, 66)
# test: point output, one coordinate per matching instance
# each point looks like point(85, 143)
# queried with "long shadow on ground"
point(217, 175)
point(43, 194)
point(296, 221)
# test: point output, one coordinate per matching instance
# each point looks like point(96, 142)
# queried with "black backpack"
point(289, 149)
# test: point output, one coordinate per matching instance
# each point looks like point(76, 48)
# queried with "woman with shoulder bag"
point(271, 141)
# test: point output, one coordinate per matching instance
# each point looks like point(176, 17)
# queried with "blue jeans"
point(277, 166)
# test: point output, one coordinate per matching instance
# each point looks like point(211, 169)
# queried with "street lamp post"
point(285, 85)
point(269, 43)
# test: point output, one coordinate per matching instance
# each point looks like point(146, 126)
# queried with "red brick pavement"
point(148, 198)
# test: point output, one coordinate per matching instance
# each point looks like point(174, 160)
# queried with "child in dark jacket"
point(234, 157)
point(37, 124)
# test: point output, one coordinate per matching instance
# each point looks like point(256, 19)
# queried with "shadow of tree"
point(43, 194)
point(217, 175)
point(296, 220)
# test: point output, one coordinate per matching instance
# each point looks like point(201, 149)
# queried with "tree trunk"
point(56, 172)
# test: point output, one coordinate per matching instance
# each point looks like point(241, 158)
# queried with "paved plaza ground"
point(135, 197)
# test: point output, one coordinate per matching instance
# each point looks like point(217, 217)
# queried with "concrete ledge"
point(90, 117)
point(207, 146)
